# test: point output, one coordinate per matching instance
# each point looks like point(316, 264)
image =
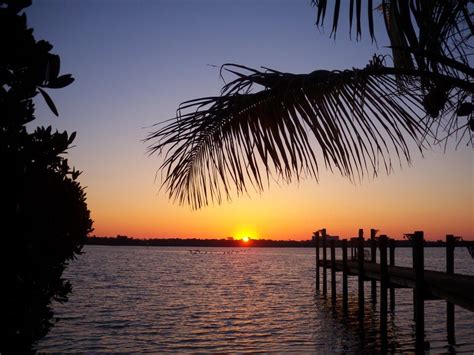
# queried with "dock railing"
point(456, 289)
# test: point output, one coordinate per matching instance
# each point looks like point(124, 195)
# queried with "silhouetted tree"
point(45, 219)
point(353, 121)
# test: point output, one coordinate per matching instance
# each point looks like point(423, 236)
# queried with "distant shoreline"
point(231, 243)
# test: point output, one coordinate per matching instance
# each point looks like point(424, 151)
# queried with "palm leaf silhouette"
point(271, 125)
point(432, 36)
point(351, 121)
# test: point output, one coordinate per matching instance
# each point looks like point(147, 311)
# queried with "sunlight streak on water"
point(140, 299)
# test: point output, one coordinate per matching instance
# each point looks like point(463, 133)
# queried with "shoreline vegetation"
point(230, 242)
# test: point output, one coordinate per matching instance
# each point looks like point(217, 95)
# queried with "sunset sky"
point(135, 61)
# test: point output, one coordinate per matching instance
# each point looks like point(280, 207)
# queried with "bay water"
point(154, 299)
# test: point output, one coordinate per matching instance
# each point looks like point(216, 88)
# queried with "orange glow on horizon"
point(438, 202)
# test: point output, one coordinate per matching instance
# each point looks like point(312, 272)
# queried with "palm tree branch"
point(464, 68)
point(433, 29)
point(354, 119)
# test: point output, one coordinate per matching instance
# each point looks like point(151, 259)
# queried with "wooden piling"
point(373, 258)
point(360, 259)
point(333, 271)
point(419, 307)
point(413, 257)
point(325, 285)
point(317, 261)
point(383, 290)
point(344, 278)
point(450, 240)
point(392, 263)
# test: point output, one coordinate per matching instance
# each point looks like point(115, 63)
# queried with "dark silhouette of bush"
point(45, 219)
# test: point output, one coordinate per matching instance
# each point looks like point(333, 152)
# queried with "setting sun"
point(245, 233)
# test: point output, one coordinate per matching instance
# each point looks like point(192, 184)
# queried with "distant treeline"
point(229, 242)
point(195, 242)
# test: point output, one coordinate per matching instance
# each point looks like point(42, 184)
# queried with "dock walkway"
point(455, 289)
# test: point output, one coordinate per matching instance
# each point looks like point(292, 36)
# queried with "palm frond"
point(352, 121)
point(432, 29)
point(321, 8)
point(430, 36)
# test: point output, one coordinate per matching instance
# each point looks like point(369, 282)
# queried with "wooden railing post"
point(325, 280)
point(419, 306)
point(360, 259)
point(352, 249)
point(383, 290)
point(344, 277)
point(317, 260)
point(373, 258)
point(333, 271)
point(392, 263)
point(450, 270)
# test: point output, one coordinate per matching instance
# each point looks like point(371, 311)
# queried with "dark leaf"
point(371, 19)
point(358, 18)
point(351, 16)
point(465, 109)
point(44, 46)
point(60, 82)
point(49, 101)
point(71, 138)
point(321, 4)
point(336, 17)
point(75, 174)
point(54, 64)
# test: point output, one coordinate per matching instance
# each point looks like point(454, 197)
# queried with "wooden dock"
point(458, 289)
point(455, 289)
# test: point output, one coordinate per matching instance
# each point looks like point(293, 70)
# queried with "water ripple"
point(139, 299)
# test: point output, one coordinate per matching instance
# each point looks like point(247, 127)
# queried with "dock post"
point(352, 249)
point(450, 270)
point(333, 271)
point(373, 258)
point(392, 263)
point(419, 306)
point(383, 290)
point(360, 259)
point(325, 280)
point(344, 277)
point(317, 261)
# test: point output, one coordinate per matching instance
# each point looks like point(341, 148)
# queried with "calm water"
point(140, 299)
